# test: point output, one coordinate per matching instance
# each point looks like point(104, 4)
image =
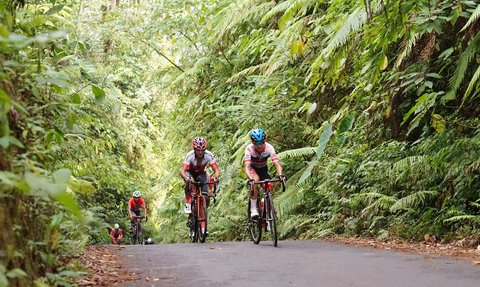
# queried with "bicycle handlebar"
point(270, 180)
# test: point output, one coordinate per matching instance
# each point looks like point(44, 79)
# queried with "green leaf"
point(16, 273)
point(62, 175)
point(16, 142)
point(54, 9)
point(345, 124)
point(98, 92)
point(438, 123)
point(76, 99)
point(323, 140)
point(68, 201)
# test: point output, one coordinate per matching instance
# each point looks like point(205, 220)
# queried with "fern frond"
point(299, 152)
point(472, 83)
point(245, 72)
point(280, 7)
point(475, 218)
point(407, 164)
point(408, 47)
point(473, 18)
point(353, 23)
point(462, 65)
point(413, 200)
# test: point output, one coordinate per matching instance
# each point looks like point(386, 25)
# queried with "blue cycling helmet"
point(258, 135)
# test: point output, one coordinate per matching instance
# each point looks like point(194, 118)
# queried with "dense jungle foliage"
point(373, 106)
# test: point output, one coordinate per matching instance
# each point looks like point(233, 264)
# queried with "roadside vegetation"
point(373, 106)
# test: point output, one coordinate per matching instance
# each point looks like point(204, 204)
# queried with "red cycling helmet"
point(199, 143)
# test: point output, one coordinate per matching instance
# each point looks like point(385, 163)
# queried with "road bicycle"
point(198, 219)
point(267, 219)
point(136, 236)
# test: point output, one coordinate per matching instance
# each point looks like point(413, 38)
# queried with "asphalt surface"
point(292, 263)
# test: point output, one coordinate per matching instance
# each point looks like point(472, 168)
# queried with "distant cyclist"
point(194, 168)
point(135, 204)
point(116, 234)
point(255, 163)
point(149, 241)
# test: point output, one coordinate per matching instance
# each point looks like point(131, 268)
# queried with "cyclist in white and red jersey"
point(255, 163)
point(194, 168)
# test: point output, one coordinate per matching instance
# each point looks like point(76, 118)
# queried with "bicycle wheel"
point(133, 236)
point(203, 235)
point(272, 219)
point(254, 225)
point(193, 234)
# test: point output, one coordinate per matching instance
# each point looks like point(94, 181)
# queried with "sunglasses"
point(259, 143)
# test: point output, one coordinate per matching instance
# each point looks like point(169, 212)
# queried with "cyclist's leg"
point(254, 195)
point(188, 195)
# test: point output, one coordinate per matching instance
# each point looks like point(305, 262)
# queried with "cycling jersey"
point(116, 233)
point(197, 166)
point(135, 205)
point(259, 160)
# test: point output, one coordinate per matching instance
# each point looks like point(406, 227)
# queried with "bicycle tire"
point(193, 233)
point(254, 225)
point(272, 219)
point(203, 235)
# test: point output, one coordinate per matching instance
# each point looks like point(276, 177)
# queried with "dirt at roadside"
point(106, 266)
point(428, 248)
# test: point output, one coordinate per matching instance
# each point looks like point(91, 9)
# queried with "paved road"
point(291, 264)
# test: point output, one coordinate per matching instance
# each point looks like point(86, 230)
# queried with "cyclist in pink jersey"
point(194, 168)
point(255, 163)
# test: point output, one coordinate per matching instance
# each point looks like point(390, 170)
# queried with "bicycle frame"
point(199, 211)
point(268, 212)
point(137, 231)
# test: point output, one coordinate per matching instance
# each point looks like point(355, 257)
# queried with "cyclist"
point(134, 205)
point(116, 234)
point(149, 241)
point(255, 164)
point(194, 168)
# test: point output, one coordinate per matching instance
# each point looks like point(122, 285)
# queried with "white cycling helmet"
point(149, 240)
point(137, 193)
point(116, 226)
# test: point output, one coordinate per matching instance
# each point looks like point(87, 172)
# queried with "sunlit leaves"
point(98, 92)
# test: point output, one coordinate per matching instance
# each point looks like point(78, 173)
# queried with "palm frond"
point(473, 18)
point(413, 200)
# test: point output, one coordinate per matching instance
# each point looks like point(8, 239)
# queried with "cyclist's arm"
point(278, 167)
point(183, 172)
point(216, 171)
point(247, 170)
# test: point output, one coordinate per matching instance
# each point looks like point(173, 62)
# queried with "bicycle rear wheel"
point(272, 220)
point(254, 225)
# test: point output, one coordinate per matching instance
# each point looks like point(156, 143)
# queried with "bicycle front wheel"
point(254, 225)
point(272, 220)
point(193, 225)
point(202, 231)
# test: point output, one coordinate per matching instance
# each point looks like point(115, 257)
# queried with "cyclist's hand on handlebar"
point(215, 179)
point(251, 181)
point(282, 177)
